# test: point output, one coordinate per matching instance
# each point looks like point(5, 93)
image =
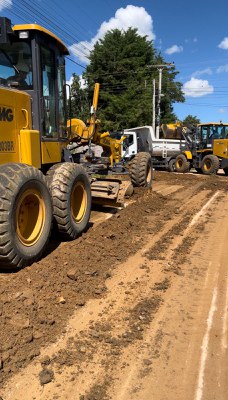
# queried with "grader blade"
point(111, 193)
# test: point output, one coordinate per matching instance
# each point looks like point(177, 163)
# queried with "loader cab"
point(207, 133)
point(32, 59)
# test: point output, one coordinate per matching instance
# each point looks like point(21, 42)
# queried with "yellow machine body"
point(91, 131)
point(220, 148)
point(188, 154)
point(18, 141)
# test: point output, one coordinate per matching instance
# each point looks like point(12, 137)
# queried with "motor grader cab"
point(207, 151)
point(33, 113)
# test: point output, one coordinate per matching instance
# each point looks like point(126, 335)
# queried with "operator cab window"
point(16, 65)
point(62, 97)
point(204, 133)
point(48, 92)
point(217, 132)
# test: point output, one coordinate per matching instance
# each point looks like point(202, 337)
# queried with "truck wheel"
point(71, 198)
point(210, 164)
point(26, 215)
point(182, 164)
point(171, 165)
point(141, 172)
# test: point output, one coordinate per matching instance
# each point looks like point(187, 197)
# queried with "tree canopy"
point(80, 104)
point(191, 120)
point(124, 63)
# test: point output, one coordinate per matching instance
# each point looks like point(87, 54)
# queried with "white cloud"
point(70, 81)
point(5, 4)
point(222, 68)
point(131, 16)
point(207, 71)
point(224, 44)
point(67, 87)
point(174, 49)
point(194, 40)
point(82, 50)
point(82, 84)
point(222, 111)
point(197, 88)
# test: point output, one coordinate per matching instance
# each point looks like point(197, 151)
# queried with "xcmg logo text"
point(6, 114)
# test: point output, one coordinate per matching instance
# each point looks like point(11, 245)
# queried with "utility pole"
point(153, 106)
point(158, 117)
point(160, 69)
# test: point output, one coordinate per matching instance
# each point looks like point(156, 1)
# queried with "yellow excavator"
point(39, 180)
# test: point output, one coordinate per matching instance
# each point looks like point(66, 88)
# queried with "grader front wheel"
point(26, 215)
point(71, 197)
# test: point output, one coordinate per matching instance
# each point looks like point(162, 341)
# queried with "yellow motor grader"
point(39, 180)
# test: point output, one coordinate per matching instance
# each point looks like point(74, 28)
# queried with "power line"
point(25, 10)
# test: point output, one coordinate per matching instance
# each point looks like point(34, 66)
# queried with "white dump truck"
point(163, 149)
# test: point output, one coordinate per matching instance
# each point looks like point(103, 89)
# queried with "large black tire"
point(171, 165)
point(26, 215)
point(225, 171)
point(210, 164)
point(182, 164)
point(71, 198)
point(141, 171)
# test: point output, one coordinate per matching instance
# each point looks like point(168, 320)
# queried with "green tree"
point(191, 120)
point(121, 62)
point(80, 104)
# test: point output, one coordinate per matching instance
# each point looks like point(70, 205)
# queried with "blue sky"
point(193, 35)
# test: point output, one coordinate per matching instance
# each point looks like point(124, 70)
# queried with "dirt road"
point(134, 309)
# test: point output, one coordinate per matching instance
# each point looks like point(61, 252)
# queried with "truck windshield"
point(16, 65)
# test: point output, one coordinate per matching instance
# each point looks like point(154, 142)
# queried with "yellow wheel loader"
point(39, 181)
point(206, 150)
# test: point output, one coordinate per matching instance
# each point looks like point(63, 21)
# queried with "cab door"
point(53, 116)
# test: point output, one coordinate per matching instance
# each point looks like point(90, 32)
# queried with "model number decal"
point(7, 146)
point(6, 114)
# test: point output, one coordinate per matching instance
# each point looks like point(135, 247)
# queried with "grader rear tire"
point(182, 164)
point(71, 198)
point(141, 171)
point(26, 215)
